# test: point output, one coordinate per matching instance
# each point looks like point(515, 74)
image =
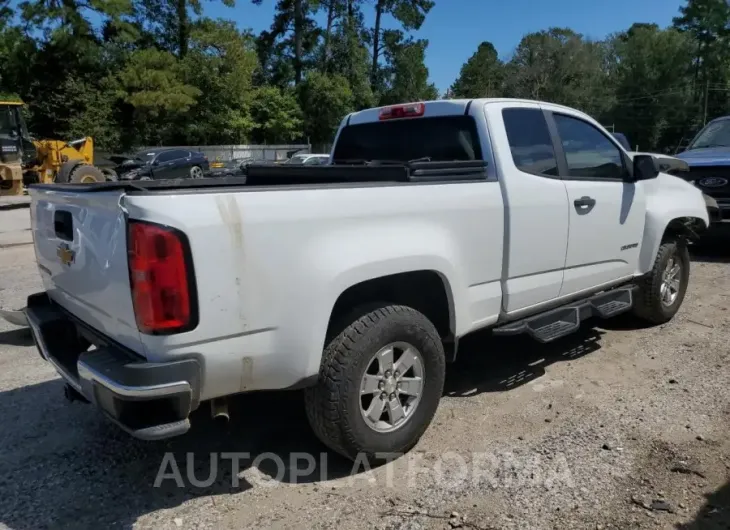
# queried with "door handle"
point(585, 202)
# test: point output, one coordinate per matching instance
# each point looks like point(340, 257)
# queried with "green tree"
point(157, 72)
point(221, 64)
point(287, 48)
point(558, 65)
point(410, 13)
point(71, 16)
point(708, 22)
point(652, 74)
point(16, 50)
point(348, 55)
point(55, 60)
point(325, 100)
point(153, 84)
point(334, 10)
point(276, 114)
point(406, 77)
point(481, 76)
point(93, 113)
point(171, 21)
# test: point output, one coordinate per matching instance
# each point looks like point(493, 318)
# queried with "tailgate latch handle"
point(63, 225)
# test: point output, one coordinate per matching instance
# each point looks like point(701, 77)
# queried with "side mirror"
point(155, 162)
point(645, 167)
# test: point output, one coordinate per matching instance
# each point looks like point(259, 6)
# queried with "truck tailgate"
point(81, 248)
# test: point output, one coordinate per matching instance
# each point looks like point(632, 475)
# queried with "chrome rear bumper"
point(148, 400)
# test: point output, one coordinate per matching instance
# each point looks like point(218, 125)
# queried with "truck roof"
point(444, 107)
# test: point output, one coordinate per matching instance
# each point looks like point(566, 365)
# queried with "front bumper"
point(150, 401)
point(724, 209)
point(713, 209)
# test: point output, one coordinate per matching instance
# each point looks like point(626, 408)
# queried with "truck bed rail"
point(267, 175)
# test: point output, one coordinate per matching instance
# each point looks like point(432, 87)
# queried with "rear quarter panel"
point(270, 265)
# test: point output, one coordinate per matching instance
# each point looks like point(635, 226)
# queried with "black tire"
point(84, 174)
point(648, 305)
point(333, 405)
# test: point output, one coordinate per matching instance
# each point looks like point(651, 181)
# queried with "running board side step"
point(564, 320)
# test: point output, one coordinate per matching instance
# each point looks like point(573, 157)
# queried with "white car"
point(354, 280)
point(307, 159)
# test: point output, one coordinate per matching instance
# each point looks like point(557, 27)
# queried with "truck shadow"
point(63, 466)
point(16, 337)
point(486, 363)
point(715, 514)
point(707, 253)
point(714, 247)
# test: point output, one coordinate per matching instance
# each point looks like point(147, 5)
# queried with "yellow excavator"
point(24, 160)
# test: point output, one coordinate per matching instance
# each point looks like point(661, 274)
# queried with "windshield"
point(8, 126)
point(437, 139)
point(716, 134)
point(145, 156)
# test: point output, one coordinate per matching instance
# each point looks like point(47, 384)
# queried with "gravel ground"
point(614, 427)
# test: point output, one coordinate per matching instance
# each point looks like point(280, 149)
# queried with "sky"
point(454, 28)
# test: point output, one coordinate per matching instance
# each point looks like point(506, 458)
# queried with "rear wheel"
point(196, 172)
point(86, 174)
point(380, 383)
point(662, 290)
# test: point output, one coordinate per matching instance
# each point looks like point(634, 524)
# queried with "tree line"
point(159, 72)
point(656, 85)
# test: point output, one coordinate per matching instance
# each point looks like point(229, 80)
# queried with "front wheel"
point(84, 174)
point(662, 290)
point(379, 385)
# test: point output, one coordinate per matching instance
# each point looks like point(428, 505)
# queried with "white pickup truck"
point(354, 280)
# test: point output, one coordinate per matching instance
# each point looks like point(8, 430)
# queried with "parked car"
point(308, 159)
point(354, 280)
point(162, 163)
point(708, 156)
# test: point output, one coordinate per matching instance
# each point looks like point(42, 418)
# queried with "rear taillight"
point(161, 278)
point(411, 110)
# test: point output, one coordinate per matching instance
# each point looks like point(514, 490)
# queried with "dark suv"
point(164, 163)
point(708, 156)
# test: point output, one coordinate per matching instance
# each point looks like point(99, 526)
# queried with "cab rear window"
point(440, 139)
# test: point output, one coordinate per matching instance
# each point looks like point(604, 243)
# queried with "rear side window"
point(529, 141)
point(441, 139)
point(166, 156)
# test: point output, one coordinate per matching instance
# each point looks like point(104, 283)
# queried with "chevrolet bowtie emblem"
point(65, 254)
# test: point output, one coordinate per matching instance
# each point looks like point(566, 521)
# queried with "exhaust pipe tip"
point(219, 410)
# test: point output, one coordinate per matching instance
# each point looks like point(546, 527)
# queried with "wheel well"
point(685, 227)
point(424, 291)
